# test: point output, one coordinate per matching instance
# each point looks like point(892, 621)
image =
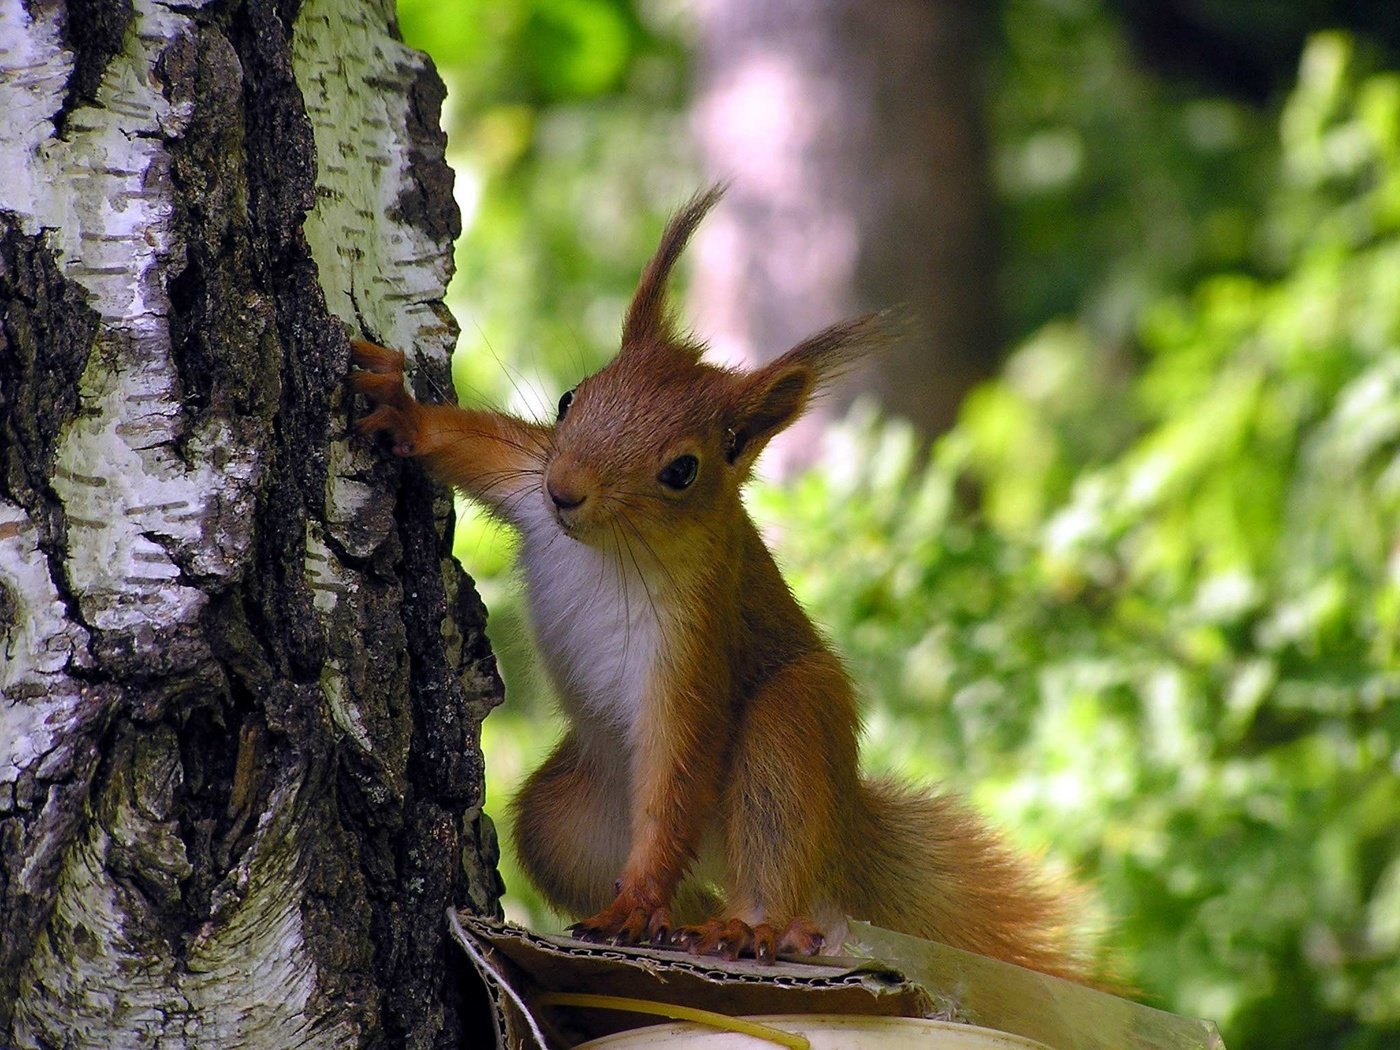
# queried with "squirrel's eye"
point(565, 400)
point(679, 473)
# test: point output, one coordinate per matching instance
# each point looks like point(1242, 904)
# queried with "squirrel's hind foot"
point(733, 939)
point(626, 922)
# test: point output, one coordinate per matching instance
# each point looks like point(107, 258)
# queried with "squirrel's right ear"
point(773, 397)
point(646, 320)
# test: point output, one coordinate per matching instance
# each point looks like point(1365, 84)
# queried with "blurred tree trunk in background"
point(853, 133)
point(241, 681)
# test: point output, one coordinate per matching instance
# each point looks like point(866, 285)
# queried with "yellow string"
point(678, 1013)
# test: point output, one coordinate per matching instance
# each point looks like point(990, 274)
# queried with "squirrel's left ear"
point(773, 397)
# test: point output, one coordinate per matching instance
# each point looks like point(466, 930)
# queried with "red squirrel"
point(712, 731)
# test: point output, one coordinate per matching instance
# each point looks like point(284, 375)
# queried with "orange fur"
point(711, 725)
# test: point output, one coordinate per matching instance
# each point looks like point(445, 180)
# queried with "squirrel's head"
point(656, 446)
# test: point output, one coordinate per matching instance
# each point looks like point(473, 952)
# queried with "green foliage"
point(1166, 641)
point(526, 51)
point(1115, 185)
point(1144, 602)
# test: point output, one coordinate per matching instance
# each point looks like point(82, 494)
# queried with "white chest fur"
point(597, 623)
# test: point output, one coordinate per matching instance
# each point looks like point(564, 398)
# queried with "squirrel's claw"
point(375, 358)
point(625, 922)
point(390, 421)
point(728, 939)
point(802, 937)
point(584, 931)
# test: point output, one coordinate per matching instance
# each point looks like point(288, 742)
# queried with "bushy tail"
point(932, 868)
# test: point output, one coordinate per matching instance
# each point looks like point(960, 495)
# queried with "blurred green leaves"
point(1115, 185)
point(1163, 634)
point(533, 52)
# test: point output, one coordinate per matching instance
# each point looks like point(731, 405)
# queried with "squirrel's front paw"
point(379, 377)
point(627, 920)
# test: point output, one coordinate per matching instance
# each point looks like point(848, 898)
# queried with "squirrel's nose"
point(562, 497)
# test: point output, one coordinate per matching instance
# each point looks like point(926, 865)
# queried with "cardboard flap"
point(519, 966)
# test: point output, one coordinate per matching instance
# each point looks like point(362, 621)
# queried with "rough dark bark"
point(241, 679)
point(853, 133)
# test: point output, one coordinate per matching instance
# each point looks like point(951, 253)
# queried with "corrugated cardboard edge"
point(1012, 999)
point(517, 965)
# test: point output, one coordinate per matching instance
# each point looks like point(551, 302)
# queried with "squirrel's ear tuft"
point(773, 397)
point(647, 320)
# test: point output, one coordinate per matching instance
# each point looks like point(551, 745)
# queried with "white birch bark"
point(237, 761)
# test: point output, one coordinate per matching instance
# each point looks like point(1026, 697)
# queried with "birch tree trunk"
point(241, 680)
